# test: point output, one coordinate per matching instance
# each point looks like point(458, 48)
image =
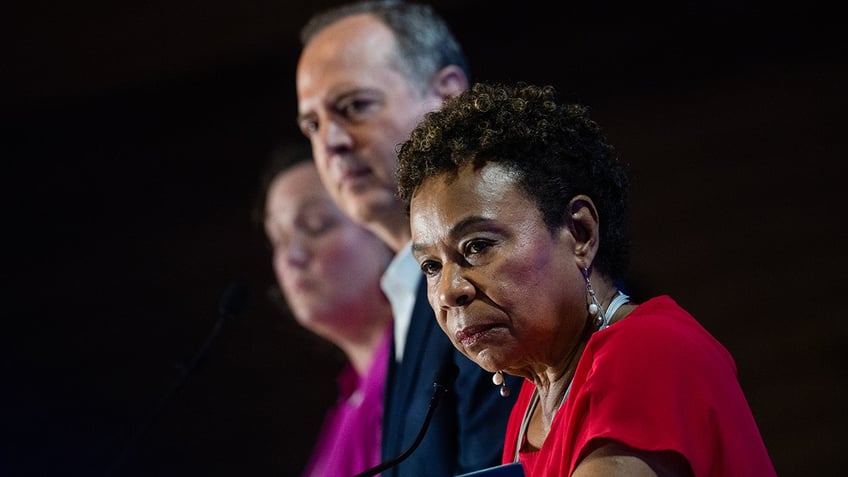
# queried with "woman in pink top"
point(328, 269)
point(517, 211)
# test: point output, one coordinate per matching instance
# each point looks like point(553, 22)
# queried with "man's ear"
point(450, 81)
point(584, 227)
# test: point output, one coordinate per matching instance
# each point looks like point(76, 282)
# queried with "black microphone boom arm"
point(441, 385)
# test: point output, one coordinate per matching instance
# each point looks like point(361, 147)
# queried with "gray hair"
point(425, 43)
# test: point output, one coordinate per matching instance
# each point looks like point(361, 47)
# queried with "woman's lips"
point(471, 335)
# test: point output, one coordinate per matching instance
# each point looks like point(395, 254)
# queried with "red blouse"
point(656, 380)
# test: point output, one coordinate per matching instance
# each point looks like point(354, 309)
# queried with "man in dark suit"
point(368, 73)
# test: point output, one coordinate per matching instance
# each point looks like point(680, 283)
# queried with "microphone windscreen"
point(446, 376)
point(233, 299)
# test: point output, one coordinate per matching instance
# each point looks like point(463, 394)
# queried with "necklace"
point(616, 303)
point(619, 299)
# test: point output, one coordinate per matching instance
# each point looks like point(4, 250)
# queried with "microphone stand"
point(444, 379)
point(232, 301)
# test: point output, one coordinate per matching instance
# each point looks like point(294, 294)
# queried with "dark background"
point(133, 135)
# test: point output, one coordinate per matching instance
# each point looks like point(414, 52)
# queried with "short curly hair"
point(556, 150)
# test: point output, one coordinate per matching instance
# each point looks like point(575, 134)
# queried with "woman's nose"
point(297, 253)
point(454, 289)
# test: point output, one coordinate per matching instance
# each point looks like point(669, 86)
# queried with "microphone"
point(232, 302)
point(442, 383)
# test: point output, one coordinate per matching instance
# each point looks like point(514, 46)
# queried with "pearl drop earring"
point(498, 379)
point(594, 307)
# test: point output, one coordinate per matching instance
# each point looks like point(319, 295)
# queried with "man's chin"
point(362, 215)
point(370, 208)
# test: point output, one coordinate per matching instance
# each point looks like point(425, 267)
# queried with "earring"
point(498, 379)
point(594, 307)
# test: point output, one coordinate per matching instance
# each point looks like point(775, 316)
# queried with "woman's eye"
point(430, 268)
point(316, 225)
point(474, 247)
point(318, 228)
